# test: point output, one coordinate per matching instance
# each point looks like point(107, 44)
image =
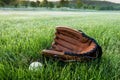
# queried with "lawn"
point(23, 34)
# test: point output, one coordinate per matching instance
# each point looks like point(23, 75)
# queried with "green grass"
point(23, 36)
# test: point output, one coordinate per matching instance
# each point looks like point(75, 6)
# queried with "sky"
point(116, 1)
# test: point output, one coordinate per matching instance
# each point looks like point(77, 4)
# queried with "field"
point(23, 34)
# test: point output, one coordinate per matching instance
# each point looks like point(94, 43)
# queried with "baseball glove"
point(73, 45)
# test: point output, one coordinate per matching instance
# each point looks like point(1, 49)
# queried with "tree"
point(33, 4)
point(25, 3)
point(63, 3)
point(44, 3)
point(14, 3)
point(7, 2)
point(50, 4)
point(37, 3)
point(66, 3)
point(2, 4)
point(79, 4)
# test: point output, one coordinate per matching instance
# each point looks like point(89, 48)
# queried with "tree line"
point(37, 3)
point(82, 4)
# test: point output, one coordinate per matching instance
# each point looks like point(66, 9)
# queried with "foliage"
point(33, 4)
point(24, 3)
point(37, 3)
point(23, 36)
point(79, 4)
point(63, 3)
point(2, 4)
point(7, 1)
point(44, 3)
point(50, 4)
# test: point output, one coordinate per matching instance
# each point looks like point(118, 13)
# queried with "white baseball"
point(35, 66)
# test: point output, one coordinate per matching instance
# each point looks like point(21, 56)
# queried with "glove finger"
point(68, 39)
point(60, 48)
point(72, 47)
point(51, 52)
point(72, 33)
point(60, 54)
point(80, 39)
point(71, 40)
point(65, 44)
point(75, 39)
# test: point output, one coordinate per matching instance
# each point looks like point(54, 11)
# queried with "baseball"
point(35, 66)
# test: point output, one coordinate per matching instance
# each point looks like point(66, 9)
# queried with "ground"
point(23, 34)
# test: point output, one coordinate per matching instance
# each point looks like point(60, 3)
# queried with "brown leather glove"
point(73, 45)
